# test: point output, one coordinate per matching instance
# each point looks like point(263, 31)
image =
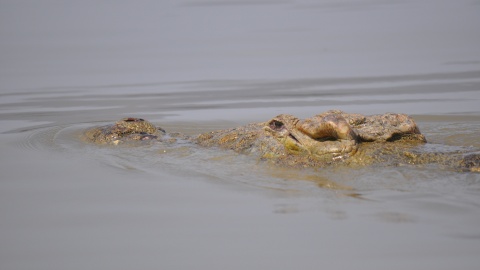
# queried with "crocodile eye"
point(276, 125)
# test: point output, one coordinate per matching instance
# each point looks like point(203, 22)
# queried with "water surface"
point(195, 66)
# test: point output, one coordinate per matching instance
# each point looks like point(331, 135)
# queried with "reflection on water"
point(234, 168)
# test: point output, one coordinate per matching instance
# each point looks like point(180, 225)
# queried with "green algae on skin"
point(331, 138)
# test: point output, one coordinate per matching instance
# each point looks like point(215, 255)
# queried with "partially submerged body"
point(333, 137)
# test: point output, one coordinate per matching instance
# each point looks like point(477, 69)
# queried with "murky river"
point(196, 66)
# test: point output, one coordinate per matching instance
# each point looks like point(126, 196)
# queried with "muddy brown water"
point(195, 66)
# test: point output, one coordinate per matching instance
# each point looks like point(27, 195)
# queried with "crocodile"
point(327, 139)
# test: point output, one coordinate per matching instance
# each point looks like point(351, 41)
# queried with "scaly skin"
point(127, 129)
point(333, 137)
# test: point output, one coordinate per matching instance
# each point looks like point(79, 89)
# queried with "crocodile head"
point(127, 129)
point(326, 137)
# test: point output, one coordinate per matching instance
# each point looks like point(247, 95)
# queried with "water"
point(195, 66)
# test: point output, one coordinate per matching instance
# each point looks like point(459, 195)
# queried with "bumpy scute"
point(333, 137)
point(126, 129)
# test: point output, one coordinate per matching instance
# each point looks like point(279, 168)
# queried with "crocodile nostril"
point(132, 119)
